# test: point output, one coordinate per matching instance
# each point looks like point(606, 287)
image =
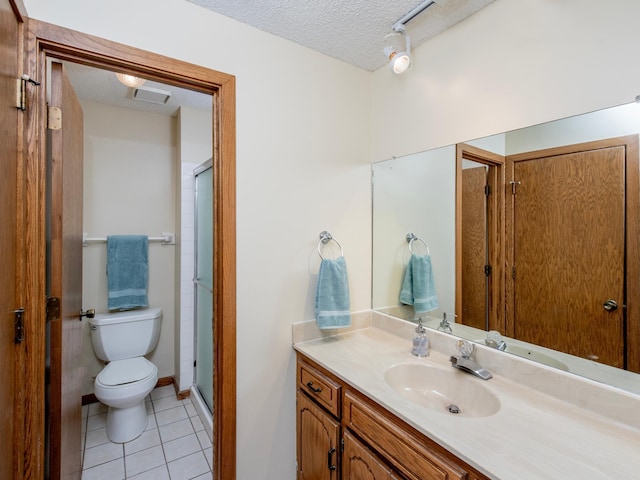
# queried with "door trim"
point(632, 234)
point(47, 40)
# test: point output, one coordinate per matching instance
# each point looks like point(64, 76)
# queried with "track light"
point(398, 55)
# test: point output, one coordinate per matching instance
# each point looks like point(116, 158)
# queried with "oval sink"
point(447, 391)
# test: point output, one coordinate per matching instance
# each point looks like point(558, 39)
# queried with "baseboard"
point(162, 382)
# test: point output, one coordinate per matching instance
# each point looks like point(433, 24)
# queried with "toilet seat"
point(127, 371)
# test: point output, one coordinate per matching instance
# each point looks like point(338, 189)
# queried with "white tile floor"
point(175, 445)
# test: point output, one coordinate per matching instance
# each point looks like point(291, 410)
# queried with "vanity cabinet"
point(361, 463)
point(318, 442)
point(344, 435)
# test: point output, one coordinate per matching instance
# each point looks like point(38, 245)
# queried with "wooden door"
point(318, 437)
point(65, 273)
point(474, 246)
point(360, 463)
point(569, 252)
point(9, 118)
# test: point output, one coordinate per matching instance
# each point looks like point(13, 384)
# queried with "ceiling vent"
point(151, 95)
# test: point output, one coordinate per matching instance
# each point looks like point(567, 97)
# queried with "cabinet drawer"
point(320, 387)
point(404, 450)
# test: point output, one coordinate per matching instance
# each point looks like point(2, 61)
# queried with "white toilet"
point(122, 339)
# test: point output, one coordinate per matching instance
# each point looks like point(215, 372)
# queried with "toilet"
point(122, 339)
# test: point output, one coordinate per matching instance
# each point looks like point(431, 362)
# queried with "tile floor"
point(175, 445)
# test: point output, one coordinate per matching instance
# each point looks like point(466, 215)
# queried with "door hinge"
point(342, 445)
point(53, 308)
point(513, 186)
point(513, 272)
point(487, 190)
point(21, 91)
point(19, 325)
point(54, 121)
point(487, 270)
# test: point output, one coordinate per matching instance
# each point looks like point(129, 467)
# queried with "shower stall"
point(203, 284)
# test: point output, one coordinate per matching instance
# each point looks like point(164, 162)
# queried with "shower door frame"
point(44, 40)
point(196, 280)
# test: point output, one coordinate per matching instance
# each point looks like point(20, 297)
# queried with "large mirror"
point(533, 237)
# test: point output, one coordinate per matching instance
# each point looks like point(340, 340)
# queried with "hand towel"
point(418, 288)
point(127, 271)
point(332, 295)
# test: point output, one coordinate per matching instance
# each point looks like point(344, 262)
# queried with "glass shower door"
point(203, 282)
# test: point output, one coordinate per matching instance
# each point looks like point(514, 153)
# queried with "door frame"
point(632, 234)
point(47, 40)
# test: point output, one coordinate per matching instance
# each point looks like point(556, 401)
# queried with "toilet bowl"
point(122, 339)
point(123, 386)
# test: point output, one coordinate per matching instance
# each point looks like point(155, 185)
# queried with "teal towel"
point(332, 295)
point(418, 288)
point(127, 271)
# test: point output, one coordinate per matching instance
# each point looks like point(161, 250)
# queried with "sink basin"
point(537, 356)
point(450, 392)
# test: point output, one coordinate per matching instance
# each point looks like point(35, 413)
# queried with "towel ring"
point(325, 237)
point(412, 238)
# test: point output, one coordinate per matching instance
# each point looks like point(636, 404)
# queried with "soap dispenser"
point(420, 341)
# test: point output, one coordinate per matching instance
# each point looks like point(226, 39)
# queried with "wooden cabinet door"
point(360, 463)
point(318, 442)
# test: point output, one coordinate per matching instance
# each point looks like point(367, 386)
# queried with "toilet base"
point(126, 424)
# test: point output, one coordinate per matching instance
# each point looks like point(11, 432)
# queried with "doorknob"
point(88, 313)
point(610, 305)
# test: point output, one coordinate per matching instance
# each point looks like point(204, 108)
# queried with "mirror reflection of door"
point(474, 233)
point(480, 238)
point(569, 247)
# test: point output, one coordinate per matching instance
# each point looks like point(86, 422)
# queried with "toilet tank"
point(128, 334)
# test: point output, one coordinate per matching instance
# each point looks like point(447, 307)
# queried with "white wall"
point(129, 189)
point(513, 64)
point(303, 166)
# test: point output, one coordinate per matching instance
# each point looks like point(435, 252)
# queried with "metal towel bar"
point(325, 237)
point(167, 238)
point(412, 238)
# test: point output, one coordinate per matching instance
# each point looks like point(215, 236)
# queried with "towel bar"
point(167, 238)
point(325, 237)
point(412, 238)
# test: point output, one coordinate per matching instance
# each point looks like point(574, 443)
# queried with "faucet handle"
point(445, 326)
point(465, 348)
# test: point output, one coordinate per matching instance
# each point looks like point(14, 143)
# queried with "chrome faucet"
point(494, 340)
point(465, 363)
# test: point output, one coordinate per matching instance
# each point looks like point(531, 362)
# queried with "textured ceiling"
point(350, 30)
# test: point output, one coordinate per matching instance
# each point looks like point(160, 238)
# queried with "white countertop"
point(532, 436)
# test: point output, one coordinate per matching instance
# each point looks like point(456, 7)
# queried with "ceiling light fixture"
point(400, 55)
point(130, 80)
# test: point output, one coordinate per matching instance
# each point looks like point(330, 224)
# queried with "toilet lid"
point(129, 370)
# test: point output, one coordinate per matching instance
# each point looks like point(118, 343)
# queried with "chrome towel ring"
point(412, 238)
point(325, 237)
